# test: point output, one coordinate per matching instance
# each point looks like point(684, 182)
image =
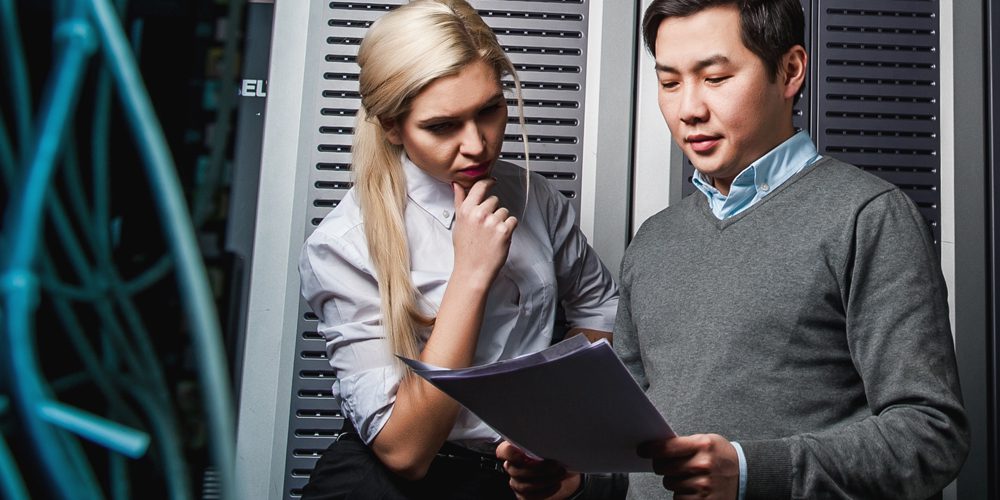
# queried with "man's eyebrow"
point(715, 60)
point(498, 98)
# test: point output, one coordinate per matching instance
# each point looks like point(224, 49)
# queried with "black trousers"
point(349, 470)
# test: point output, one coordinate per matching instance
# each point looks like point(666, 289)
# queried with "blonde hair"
point(404, 51)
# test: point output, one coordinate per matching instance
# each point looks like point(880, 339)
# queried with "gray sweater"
point(812, 328)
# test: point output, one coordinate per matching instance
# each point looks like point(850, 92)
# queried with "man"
point(790, 319)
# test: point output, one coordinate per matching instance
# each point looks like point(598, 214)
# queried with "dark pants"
point(349, 469)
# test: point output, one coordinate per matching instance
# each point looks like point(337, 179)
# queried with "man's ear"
point(392, 132)
point(793, 71)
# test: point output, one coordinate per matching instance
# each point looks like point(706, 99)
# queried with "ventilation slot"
point(306, 393)
point(880, 151)
point(333, 185)
point(343, 94)
point(879, 30)
point(879, 133)
point(879, 46)
point(879, 116)
point(879, 13)
point(547, 69)
point(531, 120)
point(880, 64)
point(337, 112)
point(878, 81)
point(537, 157)
point(316, 374)
point(318, 413)
point(325, 203)
point(541, 139)
point(544, 16)
point(544, 86)
point(338, 58)
point(343, 40)
point(316, 433)
point(336, 130)
point(334, 148)
point(541, 103)
point(342, 23)
point(556, 51)
point(312, 335)
point(339, 167)
point(881, 98)
point(343, 77)
point(558, 176)
point(542, 33)
point(361, 6)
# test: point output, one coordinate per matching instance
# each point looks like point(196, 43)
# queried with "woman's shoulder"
point(342, 222)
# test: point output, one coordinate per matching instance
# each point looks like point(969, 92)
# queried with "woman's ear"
point(392, 132)
point(793, 70)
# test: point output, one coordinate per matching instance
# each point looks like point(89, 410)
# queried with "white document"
point(574, 403)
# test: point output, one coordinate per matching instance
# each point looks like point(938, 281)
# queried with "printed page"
point(574, 403)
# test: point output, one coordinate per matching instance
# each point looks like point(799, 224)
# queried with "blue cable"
point(195, 292)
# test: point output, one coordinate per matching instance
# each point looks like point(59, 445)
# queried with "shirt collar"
point(430, 194)
point(761, 177)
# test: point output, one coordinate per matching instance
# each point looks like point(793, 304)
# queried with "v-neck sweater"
point(812, 328)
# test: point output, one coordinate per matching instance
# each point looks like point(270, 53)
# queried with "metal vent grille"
point(877, 89)
point(546, 41)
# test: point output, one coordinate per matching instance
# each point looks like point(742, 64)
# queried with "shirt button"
point(764, 187)
point(445, 214)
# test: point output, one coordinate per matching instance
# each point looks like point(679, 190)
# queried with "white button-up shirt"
point(549, 262)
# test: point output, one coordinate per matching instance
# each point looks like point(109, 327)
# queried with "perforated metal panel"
point(873, 95)
point(546, 41)
point(877, 92)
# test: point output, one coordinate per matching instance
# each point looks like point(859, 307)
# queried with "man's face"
point(717, 97)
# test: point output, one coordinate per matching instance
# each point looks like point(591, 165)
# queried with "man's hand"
point(697, 466)
point(533, 479)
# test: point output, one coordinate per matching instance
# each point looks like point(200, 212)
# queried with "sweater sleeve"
point(916, 437)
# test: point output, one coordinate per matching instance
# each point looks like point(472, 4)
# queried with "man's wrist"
point(579, 489)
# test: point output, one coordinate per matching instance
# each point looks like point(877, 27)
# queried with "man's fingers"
point(675, 447)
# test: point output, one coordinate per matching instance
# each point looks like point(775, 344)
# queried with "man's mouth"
point(701, 143)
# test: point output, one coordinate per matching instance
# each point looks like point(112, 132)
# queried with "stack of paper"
point(574, 403)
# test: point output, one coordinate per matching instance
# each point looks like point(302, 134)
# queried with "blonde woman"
point(442, 253)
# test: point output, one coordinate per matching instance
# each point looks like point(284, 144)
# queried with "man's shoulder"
point(837, 178)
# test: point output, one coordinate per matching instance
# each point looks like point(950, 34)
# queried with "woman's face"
point(454, 130)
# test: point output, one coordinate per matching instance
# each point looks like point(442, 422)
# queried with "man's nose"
point(692, 106)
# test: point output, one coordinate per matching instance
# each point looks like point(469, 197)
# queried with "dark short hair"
point(768, 28)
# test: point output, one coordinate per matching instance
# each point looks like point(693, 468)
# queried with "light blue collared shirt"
point(761, 178)
point(755, 182)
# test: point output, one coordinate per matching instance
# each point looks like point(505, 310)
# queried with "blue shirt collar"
point(761, 177)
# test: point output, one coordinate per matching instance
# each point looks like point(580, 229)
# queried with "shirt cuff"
point(741, 491)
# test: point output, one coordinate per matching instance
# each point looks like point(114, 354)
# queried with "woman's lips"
point(475, 170)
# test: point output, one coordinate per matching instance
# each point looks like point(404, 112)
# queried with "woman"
point(439, 252)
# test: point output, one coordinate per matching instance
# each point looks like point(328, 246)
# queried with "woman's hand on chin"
point(481, 234)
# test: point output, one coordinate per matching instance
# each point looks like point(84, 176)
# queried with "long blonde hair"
point(404, 51)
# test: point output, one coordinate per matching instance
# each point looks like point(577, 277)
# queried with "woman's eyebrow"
point(439, 118)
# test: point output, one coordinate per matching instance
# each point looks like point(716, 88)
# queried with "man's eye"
point(717, 79)
point(669, 85)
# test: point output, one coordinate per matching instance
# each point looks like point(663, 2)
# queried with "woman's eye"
point(439, 128)
point(490, 109)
